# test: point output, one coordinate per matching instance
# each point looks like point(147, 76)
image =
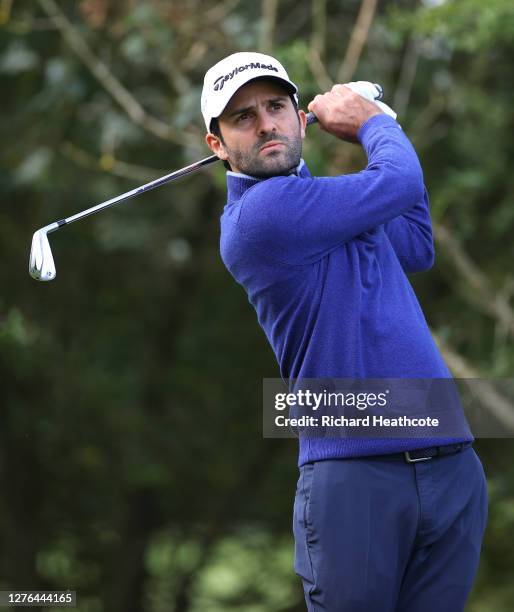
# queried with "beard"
point(275, 163)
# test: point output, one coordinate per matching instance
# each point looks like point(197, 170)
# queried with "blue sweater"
point(324, 261)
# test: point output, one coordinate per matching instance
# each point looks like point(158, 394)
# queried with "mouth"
point(273, 144)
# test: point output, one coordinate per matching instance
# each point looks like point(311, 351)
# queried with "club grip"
point(311, 118)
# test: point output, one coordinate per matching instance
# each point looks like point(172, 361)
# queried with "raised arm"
point(298, 220)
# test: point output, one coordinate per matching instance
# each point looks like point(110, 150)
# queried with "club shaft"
point(139, 190)
point(311, 118)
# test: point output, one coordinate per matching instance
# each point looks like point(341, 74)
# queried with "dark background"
point(132, 464)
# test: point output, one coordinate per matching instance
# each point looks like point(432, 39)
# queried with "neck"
point(242, 175)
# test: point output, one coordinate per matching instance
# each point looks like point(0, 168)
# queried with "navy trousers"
point(382, 535)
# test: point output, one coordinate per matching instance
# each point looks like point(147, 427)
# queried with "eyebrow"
point(240, 111)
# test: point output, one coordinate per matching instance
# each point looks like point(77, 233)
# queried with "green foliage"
point(471, 26)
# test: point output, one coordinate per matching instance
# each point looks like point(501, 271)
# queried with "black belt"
point(424, 454)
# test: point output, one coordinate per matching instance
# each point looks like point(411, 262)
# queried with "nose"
point(265, 123)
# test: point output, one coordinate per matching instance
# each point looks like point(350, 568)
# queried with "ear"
point(303, 122)
point(216, 146)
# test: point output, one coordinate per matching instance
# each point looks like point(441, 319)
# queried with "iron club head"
point(41, 261)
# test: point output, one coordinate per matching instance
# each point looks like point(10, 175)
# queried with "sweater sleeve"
point(298, 220)
point(410, 235)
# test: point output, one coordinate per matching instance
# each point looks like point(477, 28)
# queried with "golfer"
point(380, 525)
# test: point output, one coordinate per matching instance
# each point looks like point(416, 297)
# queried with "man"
point(380, 525)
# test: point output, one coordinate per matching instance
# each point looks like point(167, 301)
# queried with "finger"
point(339, 89)
point(313, 104)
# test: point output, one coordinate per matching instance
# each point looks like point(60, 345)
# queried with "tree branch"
point(357, 40)
point(220, 10)
point(5, 11)
point(108, 163)
point(314, 56)
point(318, 70)
point(496, 404)
point(482, 294)
point(407, 76)
point(109, 82)
point(269, 20)
point(319, 21)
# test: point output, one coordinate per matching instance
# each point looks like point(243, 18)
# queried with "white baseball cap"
point(223, 80)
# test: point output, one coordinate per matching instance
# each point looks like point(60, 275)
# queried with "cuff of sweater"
point(375, 122)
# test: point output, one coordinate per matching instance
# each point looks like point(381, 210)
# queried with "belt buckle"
point(410, 459)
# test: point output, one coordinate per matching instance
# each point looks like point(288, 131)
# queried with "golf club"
point(41, 261)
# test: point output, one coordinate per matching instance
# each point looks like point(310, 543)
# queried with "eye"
point(242, 117)
point(277, 105)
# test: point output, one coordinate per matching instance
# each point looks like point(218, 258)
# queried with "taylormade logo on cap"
point(220, 81)
point(223, 80)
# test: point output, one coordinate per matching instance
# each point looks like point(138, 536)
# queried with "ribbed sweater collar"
point(238, 183)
